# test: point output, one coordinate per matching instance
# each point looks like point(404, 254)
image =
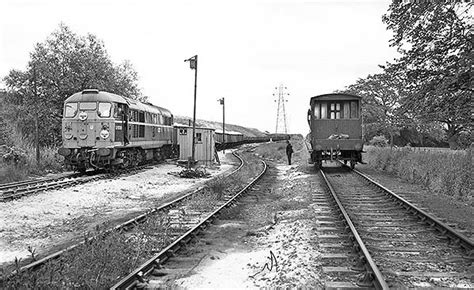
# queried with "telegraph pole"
point(222, 102)
point(193, 61)
point(36, 116)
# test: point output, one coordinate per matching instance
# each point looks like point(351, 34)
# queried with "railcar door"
point(121, 126)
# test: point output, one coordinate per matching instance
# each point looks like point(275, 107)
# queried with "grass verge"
point(444, 172)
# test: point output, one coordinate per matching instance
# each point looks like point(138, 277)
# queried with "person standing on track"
point(289, 151)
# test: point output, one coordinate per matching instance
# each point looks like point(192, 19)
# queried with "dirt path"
point(268, 240)
point(51, 220)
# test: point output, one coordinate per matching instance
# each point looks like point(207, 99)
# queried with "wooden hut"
point(205, 144)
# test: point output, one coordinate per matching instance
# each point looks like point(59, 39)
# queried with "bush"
point(19, 162)
point(379, 141)
point(445, 172)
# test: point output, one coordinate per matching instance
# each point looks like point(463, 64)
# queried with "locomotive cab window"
point(70, 110)
point(104, 110)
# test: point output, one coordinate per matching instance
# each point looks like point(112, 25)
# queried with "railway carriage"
point(335, 123)
point(105, 130)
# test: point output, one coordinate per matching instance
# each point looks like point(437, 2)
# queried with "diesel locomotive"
point(335, 123)
point(105, 130)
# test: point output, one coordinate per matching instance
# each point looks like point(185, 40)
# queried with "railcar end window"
point(336, 110)
point(316, 110)
point(70, 110)
point(354, 110)
point(89, 106)
point(104, 110)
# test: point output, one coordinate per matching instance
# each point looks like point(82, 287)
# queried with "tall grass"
point(50, 161)
point(445, 172)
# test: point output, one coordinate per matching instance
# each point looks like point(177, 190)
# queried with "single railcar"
point(335, 123)
point(105, 130)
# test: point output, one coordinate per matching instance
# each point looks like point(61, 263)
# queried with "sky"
point(245, 49)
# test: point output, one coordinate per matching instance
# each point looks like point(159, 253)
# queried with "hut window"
point(183, 131)
point(198, 137)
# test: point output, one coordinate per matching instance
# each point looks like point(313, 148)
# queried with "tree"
point(435, 41)
point(381, 94)
point(63, 64)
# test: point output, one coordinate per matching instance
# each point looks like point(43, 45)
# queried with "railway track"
point(15, 190)
point(143, 275)
point(371, 237)
point(184, 221)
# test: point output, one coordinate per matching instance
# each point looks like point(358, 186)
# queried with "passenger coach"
point(335, 128)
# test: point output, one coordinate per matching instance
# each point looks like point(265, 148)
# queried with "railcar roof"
point(95, 95)
point(335, 96)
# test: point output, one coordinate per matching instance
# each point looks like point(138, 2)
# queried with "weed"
point(445, 172)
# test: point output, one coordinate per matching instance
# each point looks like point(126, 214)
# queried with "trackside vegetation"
point(101, 261)
point(441, 171)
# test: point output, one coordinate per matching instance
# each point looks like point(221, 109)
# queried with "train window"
point(135, 131)
point(88, 106)
point(335, 111)
point(346, 113)
point(141, 131)
point(104, 110)
point(141, 117)
point(161, 119)
point(324, 113)
point(153, 118)
point(70, 110)
point(316, 110)
point(354, 110)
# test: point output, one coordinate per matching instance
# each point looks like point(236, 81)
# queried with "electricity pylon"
point(281, 123)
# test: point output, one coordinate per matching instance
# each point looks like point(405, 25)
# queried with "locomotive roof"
point(91, 95)
point(335, 96)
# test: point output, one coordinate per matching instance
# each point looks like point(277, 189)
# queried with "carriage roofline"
point(96, 95)
point(335, 96)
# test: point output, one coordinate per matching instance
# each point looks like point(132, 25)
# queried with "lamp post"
point(193, 61)
point(222, 102)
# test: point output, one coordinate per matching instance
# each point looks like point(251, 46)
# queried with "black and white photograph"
point(223, 144)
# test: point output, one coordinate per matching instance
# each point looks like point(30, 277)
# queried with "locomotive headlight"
point(82, 116)
point(104, 134)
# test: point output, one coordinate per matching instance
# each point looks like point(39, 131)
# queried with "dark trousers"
point(289, 158)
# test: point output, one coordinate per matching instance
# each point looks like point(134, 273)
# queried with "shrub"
point(19, 162)
point(379, 141)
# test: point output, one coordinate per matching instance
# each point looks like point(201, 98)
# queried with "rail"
point(137, 275)
point(374, 274)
